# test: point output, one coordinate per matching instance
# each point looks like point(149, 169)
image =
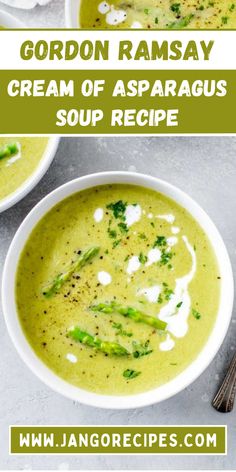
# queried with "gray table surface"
point(206, 169)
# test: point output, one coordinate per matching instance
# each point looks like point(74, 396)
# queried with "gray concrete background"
point(206, 169)
point(48, 16)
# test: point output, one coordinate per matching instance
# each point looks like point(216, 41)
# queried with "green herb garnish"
point(118, 209)
point(142, 258)
point(116, 243)
point(181, 23)
point(175, 7)
point(179, 304)
point(224, 20)
point(160, 241)
point(112, 233)
point(196, 314)
point(165, 257)
point(120, 330)
point(130, 374)
point(142, 236)
point(141, 349)
point(123, 227)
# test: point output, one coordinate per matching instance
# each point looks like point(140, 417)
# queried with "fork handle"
point(224, 399)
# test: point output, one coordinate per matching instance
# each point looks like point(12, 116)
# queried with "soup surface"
point(19, 157)
point(117, 289)
point(164, 14)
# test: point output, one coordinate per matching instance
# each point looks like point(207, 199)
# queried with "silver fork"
point(224, 399)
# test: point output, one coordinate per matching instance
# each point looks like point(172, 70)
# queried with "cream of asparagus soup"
point(117, 289)
point(163, 14)
point(19, 158)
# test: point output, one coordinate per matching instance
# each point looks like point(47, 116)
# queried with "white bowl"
point(72, 8)
point(9, 21)
point(34, 178)
point(193, 370)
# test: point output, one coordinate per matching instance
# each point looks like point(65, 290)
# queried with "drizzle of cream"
point(154, 255)
point(177, 318)
point(133, 265)
point(150, 215)
point(151, 293)
point(103, 8)
point(172, 241)
point(114, 16)
point(169, 218)
point(15, 158)
point(133, 214)
point(104, 278)
point(98, 215)
point(175, 230)
point(71, 358)
point(168, 344)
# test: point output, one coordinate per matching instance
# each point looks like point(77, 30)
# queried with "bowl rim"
point(211, 347)
point(71, 13)
point(11, 20)
point(34, 178)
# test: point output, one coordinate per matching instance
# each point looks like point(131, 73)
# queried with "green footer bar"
point(118, 440)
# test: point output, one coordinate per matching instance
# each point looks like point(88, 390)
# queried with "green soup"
point(165, 14)
point(117, 289)
point(19, 158)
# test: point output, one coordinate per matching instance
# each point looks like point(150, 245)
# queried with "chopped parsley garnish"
point(142, 236)
point(123, 227)
point(112, 233)
point(141, 349)
point(196, 314)
point(142, 258)
point(156, 21)
point(179, 304)
point(201, 8)
point(232, 7)
point(146, 11)
point(166, 257)
point(118, 209)
point(168, 292)
point(130, 374)
point(120, 330)
point(116, 243)
point(224, 20)
point(160, 241)
point(182, 23)
point(175, 7)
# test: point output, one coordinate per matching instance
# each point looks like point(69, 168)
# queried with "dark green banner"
point(117, 102)
point(118, 440)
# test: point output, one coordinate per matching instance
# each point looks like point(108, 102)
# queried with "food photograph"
point(117, 286)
